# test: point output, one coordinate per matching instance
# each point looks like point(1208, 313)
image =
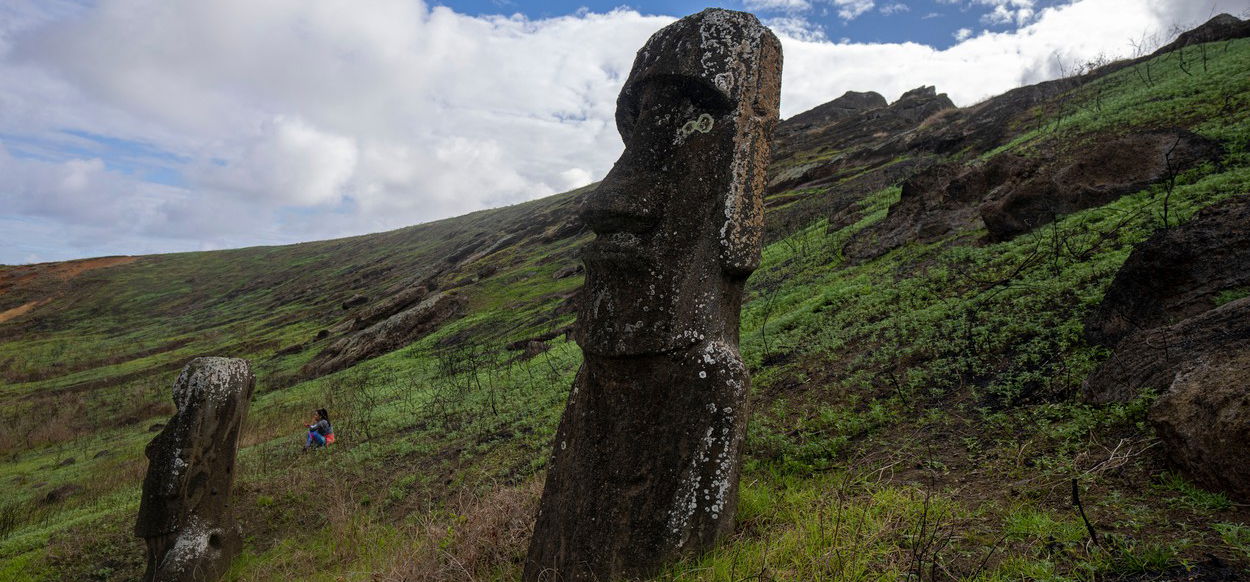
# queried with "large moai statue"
point(185, 515)
point(646, 459)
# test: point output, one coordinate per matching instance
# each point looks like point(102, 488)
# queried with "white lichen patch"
point(210, 380)
point(190, 547)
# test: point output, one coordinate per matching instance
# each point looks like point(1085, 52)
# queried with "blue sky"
point(147, 126)
point(932, 22)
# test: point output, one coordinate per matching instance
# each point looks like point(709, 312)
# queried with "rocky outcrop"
point(1176, 274)
point(1162, 315)
point(645, 466)
point(185, 515)
point(1221, 27)
point(935, 203)
point(857, 142)
point(850, 104)
point(1093, 175)
point(1150, 359)
point(1203, 420)
point(392, 333)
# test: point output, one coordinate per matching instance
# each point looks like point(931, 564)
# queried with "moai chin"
point(185, 516)
point(646, 459)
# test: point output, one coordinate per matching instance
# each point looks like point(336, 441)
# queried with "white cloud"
point(293, 120)
point(852, 9)
point(894, 8)
point(987, 64)
point(963, 34)
point(777, 5)
point(796, 28)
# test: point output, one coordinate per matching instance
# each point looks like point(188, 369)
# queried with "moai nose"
point(628, 200)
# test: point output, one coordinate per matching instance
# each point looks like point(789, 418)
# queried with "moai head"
point(191, 464)
point(679, 218)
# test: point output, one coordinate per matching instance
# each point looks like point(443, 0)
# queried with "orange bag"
point(330, 438)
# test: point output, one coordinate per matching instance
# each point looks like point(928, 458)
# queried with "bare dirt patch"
point(20, 310)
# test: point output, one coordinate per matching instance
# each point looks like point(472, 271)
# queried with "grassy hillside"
point(914, 415)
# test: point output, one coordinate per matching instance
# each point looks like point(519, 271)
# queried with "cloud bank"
point(137, 126)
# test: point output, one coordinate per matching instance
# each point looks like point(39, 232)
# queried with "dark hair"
point(323, 414)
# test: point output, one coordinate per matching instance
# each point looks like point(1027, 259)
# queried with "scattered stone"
point(156, 427)
point(67, 462)
point(62, 493)
point(1177, 273)
point(569, 271)
point(646, 458)
point(101, 454)
point(323, 334)
point(1203, 421)
point(185, 514)
point(354, 301)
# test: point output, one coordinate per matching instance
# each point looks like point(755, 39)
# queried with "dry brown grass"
point(482, 538)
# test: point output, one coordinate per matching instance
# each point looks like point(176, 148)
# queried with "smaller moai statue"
point(185, 516)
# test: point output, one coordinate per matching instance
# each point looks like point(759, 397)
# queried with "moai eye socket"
point(698, 101)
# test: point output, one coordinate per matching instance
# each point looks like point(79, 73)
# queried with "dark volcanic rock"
point(1150, 359)
point(935, 203)
point(354, 301)
point(849, 104)
point(62, 493)
point(1221, 27)
point(646, 459)
point(864, 141)
point(388, 335)
point(1176, 274)
point(569, 271)
point(1100, 173)
point(185, 515)
point(1203, 420)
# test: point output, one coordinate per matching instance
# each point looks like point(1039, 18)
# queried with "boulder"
point(1150, 359)
point(62, 493)
point(937, 202)
point(1176, 273)
point(1095, 174)
point(1203, 420)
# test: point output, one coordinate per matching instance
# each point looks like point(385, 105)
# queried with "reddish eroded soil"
point(21, 275)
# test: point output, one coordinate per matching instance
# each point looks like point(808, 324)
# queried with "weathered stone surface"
point(935, 203)
point(646, 458)
point(185, 514)
point(387, 335)
point(1176, 274)
point(1203, 420)
point(1097, 174)
point(1150, 359)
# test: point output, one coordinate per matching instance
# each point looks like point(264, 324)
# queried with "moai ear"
point(755, 116)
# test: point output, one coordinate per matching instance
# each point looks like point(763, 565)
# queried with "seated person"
point(320, 432)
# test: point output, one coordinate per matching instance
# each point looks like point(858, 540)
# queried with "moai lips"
point(185, 515)
point(646, 460)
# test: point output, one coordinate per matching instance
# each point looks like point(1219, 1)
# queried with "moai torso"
point(646, 459)
point(185, 515)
